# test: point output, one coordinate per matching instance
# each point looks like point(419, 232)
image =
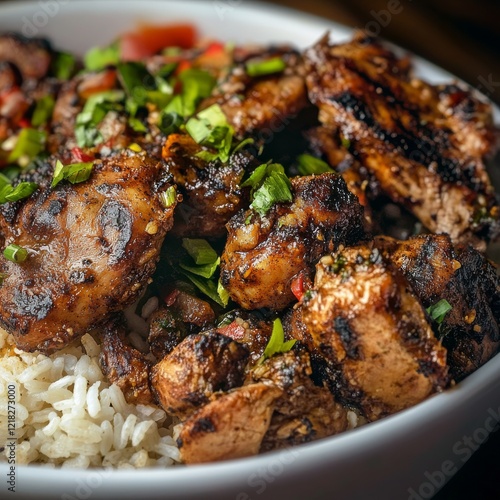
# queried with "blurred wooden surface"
point(462, 36)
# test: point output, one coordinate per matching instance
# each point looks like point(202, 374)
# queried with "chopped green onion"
point(168, 197)
point(169, 123)
point(276, 344)
point(309, 165)
point(15, 253)
point(99, 58)
point(21, 191)
point(210, 128)
point(270, 185)
point(43, 111)
point(30, 143)
point(63, 66)
point(200, 250)
point(205, 271)
point(223, 294)
point(74, 173)
point(267, 67)
point(439, 310)
point(206, 286)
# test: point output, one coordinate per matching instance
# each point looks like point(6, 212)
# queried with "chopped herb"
point(270, 185)
point(63, 66)
point(200, 250)
point(206, 286)
point(21, 191)
point(15, 253)
point(43, 111)
point(169, 123)
point(74, 173)
point(242, 144)
point(339, 264)
point(309, 165)
point(94, 111)
point(346, 143)
point(439, 310)
point(30, 143)
point(196, 85)
point(267, 67)
point(210, 128)
point(276, 344)
point(168, 197)
point(222, 293)
point(99, 58)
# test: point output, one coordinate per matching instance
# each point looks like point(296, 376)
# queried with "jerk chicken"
point(278, 309)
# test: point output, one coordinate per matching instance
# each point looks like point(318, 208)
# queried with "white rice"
point(69, 415)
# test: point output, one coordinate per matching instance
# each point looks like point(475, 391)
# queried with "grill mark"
point(35, 305)
point(347, 336)
point(116, 224)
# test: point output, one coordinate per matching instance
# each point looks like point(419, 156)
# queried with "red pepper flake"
point(24, 123)
point(183, 66)
point(214, 49)
point(80, 156)
point(299, 286)
point(234, 331)
point(171, 297)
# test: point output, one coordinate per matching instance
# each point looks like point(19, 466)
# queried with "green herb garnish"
point(30, 143)
point(269, 185)
point(439, 310)
point(74, 173)
point(99, 58)
point(63, 66)
point(276, 344)
point(309, 165)
point(267, 67)
point(168, 197)
point(15, 253)
point(210, 128)
point(21, 191)
point(43, 111)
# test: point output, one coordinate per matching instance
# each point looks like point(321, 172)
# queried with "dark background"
point(462, 36)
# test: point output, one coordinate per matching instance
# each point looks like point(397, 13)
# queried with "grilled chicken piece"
point(199, 366)
point(261, 106)
point(437, 270)
point(125, 366)
point(32, 56)
point(425, 145)
point(373, 333)
point(211, 192)
point(264, 254)
point(92, 248)
point(232, 426)
point(305, 412)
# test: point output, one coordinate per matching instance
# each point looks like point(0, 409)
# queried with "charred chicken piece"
point(199, 366)
point(264, 254)
point(462, 276)
point(232, 426)
point(373, 333)
point(32, 56)
point(425, 145)
point(261, 106)
point(125, 366)
point(305, 412)
point(92, 248)
point(211, 192)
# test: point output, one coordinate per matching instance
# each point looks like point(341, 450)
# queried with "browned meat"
point(125, 366)
point(424, 145)
point(250, 329)
point(437, 270)
point(31, 56)
point(211, 192)
point(373, 333)
point(231, 426)
point(261, 106)
point(264, 254)
point(305, 412)
point(92, 248)
point(199, 366)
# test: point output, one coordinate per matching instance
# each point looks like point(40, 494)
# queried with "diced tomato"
point(233, 330)
point(171, 298)
point(149, 39)
point(298, 286)
point(79, 156)
point(214, 49)
point(182, 66)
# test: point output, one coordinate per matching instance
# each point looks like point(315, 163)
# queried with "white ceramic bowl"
point(408, 455)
